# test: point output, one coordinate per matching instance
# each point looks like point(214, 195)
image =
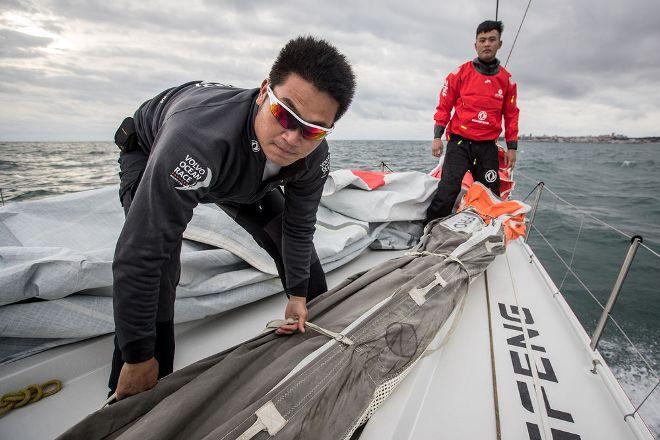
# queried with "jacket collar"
point(486, 68)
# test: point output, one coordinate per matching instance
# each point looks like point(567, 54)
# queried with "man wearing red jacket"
point(481, 92)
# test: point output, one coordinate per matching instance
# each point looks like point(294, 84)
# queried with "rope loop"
point(28, 395)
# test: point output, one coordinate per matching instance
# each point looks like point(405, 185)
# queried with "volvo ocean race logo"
point(482, 115)
point(490, 176)
point(255, 145)
point(499, 94)
point(191, 175)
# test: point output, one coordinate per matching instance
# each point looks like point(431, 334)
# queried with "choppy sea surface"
point(618, 184)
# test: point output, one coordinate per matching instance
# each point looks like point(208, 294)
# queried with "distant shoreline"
point(602, 139)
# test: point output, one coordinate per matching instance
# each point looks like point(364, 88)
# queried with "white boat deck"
point(449, 393)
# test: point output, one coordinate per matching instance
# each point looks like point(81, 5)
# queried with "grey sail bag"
point(316, 385)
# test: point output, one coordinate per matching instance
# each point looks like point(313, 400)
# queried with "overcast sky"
point(71, 70)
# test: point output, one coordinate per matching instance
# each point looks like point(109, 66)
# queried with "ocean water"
point(616, 183)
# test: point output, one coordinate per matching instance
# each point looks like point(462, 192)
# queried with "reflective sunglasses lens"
point(289, 122)
point(313, 134)
point(283, 117)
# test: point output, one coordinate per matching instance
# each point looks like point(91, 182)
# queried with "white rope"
point(445, 256)
point(277, 323)
point(316, 353)
point(545, 187)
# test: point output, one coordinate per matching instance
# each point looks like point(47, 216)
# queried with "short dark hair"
point(320, 63)
point(490, 25)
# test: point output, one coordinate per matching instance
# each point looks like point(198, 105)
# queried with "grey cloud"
point(14, 44)
point(18, 5)
point(388, 21)
point(580, 53)
point(574, 49)
point(171, 17)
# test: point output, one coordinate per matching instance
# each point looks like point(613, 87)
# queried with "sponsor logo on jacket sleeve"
point(191, 175)
point(444, 88)
point(325, 166)
point(212, 84)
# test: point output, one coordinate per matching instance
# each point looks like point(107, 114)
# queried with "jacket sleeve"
point(301, 202)
point(448, 95)
point(176, 177)
point(511, 114)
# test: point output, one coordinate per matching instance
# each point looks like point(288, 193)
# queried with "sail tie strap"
point(277, 323)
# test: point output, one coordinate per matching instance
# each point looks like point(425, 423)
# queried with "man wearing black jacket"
point(210, 143)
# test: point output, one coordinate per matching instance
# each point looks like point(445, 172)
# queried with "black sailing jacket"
point(202, 148)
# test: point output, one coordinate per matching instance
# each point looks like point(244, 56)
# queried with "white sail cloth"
point(60, 250)
point(379, 197)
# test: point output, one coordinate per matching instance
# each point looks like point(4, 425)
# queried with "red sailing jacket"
point(479, 101)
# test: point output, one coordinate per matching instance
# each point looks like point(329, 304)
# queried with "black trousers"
point(462, 155)
point(262, 219)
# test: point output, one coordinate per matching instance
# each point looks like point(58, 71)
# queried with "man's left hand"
point(296, 308)
point(510, 158)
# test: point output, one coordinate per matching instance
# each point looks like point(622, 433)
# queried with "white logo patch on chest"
point(191, 175)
